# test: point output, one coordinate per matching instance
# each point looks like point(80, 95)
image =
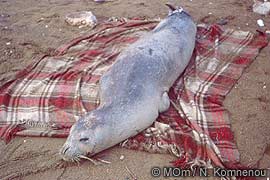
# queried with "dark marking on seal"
point(150, 51)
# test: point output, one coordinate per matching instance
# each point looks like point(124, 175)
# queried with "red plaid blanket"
point(46, 98)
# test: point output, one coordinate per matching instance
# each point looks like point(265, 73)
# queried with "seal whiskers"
point(87, 158)
point(104, 161)
point(94, 161)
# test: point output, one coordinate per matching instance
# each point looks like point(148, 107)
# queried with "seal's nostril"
point(66, 150)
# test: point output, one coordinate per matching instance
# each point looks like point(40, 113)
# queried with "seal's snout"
point(66, 153)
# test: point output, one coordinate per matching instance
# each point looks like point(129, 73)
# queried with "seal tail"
point(176, 9)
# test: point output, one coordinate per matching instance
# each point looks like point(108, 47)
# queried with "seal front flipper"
point(105, 89)
point(164, 103)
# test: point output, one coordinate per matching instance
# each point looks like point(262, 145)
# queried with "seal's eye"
point(84, 139)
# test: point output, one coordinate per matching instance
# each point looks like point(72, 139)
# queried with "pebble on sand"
point(122, 157)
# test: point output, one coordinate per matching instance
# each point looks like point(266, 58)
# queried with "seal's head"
point(83, 139)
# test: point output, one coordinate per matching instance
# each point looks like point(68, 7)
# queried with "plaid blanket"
point(47, 97)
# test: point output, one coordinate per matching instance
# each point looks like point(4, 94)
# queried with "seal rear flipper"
point(172, 8)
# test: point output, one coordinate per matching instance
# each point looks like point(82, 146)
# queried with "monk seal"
point(134, 91)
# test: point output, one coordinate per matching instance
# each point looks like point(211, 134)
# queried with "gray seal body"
point(134, 91)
